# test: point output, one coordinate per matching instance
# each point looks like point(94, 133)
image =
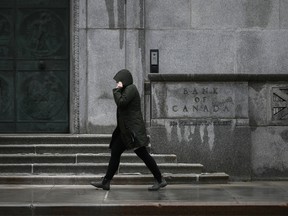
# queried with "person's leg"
point(152, 166)
point(116, 151)
point(117, 148)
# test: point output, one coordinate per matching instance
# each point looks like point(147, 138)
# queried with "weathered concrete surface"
point(110, 48)
point(247, 138)
point(114, 14)
point(190, 51)
point(270, 152)
point(222, 14)
point(167, 14)
point(193, 37)
point(258, 104)
point(101, 51)
point(203, 121)
point(250, 198)
point(82, 14)
point(218, 145)
point(283, 14)
point(103, 46)
point(83, 64)
point(262, 52)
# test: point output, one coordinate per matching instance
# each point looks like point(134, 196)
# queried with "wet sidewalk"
point(236, 198)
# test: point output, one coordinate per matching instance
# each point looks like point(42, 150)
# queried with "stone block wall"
point(202, 122)
point(193, 37)
point(233, 123)
point(268, 111)
point(218, 36)
point(112, 37)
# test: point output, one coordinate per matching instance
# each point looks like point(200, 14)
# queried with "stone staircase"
point(78, 159)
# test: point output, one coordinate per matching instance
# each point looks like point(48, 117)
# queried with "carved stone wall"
point(194, 37)
point(232, 123)
point(75, 77)
point(279, 104)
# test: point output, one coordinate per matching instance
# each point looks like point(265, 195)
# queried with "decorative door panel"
point(7, 108)
point(6, 33)
point(34, 66)
point(41, 33)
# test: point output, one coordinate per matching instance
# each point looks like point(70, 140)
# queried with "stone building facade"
point(207, 37)
point(192, 37)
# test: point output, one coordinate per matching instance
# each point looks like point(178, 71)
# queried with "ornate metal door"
point(34, 66)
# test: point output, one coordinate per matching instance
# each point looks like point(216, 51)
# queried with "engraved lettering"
point(173, 123)
point(185, 91)
point(189, 123)
point(185, 109)
point(197, 99)
point(201, 101)
point(215, 108)
point(175, 108)
point(200, 108)
point(205, 91)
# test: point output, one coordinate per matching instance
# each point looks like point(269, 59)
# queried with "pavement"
point(235, 198)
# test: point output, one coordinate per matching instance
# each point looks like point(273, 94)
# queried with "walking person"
point(130, 132)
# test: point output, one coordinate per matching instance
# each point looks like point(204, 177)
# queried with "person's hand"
point(119, 85)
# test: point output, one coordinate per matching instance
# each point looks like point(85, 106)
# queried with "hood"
point(124, 76)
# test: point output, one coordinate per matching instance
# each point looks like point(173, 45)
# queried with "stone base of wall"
point(231, 123)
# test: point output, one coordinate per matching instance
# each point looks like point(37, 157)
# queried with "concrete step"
point(91, 168)
point(54, 138)
point(54, 148)
point(78, 158)
point(120, 179)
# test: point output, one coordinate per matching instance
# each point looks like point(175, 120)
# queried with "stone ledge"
point(119, 179)
point(218, 77)
point(54, 138)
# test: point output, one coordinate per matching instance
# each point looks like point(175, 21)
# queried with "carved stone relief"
point(279, 103)
point(74, 82)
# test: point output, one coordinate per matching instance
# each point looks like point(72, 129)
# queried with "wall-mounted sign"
point(198, 100)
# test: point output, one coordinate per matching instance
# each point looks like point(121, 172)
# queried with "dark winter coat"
point(130, 124)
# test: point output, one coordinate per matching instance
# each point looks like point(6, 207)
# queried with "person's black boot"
point(157, 185)
point(104, 184)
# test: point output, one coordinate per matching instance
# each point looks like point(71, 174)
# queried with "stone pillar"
point(115, 40)
point(106, 36)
